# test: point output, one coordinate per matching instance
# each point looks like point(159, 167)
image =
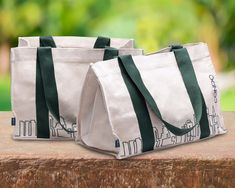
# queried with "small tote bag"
point(75, 42)
point(132, 105)
point(46, 87)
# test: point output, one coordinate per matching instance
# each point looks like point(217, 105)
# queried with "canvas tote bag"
point(75, 42)
point(131, 105)
point(46, 86)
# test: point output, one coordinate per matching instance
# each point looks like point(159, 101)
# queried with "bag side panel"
point(94, 128)
point(207, 80)
point(23, 75)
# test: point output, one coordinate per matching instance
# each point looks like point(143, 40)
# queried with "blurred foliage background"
point(152, 23)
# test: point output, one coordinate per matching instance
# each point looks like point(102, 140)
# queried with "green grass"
point(227, 97)
point(5, 99)
point(228, 100)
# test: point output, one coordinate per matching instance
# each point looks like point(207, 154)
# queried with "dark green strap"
point(134, 74)
point(46, 93)
point(49, 83)
point(102, 42)
point(47, 41)
point(141, 110)
point(204, 122)
point(110, 53)
point(190, 81)
point(41, 106)
point(42, 111)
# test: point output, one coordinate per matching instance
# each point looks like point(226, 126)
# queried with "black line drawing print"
point(193, 134)
point(57, 130)
point(215, 124)
point(131, 147)
point(25, 128)
point(163, 137)
point(214, 121)
point(214, 88)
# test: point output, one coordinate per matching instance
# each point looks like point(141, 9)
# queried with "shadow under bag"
point(132, 105)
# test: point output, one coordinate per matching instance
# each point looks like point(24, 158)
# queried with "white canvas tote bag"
point(75, 42)
point(131, 105)
point(46, 86)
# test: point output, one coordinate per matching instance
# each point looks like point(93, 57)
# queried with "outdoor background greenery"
point(152, 23)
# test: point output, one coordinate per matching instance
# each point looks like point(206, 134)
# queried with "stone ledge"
point(209, 163)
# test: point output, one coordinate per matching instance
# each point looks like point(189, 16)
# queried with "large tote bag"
point(46, 87)
point(131, 105)
point(75, 42)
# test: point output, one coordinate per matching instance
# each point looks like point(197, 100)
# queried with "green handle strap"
point(47, 41)
point(48, 80)
point(41, 105)
point(185, 66)
point(110, 53)
point(46, 93)
point(46, 90)
point(141, 111)
point(190, 81)
point(102, 42)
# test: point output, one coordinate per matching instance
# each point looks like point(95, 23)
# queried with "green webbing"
point(102, 42)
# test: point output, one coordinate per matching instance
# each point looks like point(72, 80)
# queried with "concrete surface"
point(209, 163)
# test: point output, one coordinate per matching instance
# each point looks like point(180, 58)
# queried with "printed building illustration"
point(163, 137)
point(27, 128)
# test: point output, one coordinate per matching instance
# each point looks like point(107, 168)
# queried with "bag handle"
point(47, 41)
point(110, 53)
point(46, 93)
point(193, 89)
point(43, 130)
point(190, 81)
point(102, 42)
point(46, 90)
